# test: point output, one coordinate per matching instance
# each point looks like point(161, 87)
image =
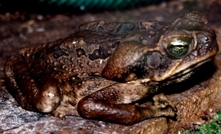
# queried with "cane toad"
point(103, 69)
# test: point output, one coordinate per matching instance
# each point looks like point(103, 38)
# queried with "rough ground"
point(197, 101)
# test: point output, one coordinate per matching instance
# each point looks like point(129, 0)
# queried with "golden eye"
point(178, 48)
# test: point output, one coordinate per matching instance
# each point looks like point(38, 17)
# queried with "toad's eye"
point(178, 48)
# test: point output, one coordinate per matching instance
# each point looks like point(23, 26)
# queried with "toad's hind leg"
point(30, 95)
point(113, 104)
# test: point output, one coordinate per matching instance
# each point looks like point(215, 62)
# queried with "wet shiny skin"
point(99, 71)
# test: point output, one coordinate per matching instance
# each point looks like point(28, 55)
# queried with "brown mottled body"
point(100, 70)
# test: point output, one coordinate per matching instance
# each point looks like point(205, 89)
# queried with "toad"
point(103, 69)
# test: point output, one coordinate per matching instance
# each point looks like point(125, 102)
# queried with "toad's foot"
point(110, 104)
point(163, 107)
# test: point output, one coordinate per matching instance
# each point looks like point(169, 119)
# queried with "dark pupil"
point(178, 51)
point(178, 48)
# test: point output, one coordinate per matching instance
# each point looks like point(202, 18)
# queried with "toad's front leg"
point(113, 104)
point(33, 93)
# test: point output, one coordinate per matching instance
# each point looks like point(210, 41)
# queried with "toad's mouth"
point(185, 73)
point(178, 77)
